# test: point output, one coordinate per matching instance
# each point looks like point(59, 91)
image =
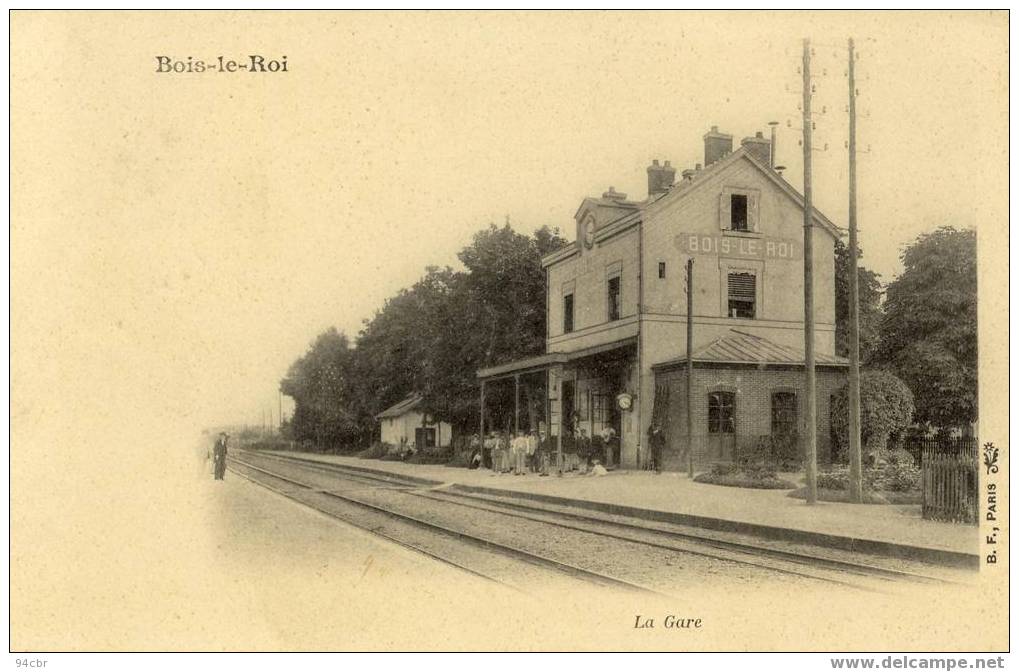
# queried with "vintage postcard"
point(510, 331)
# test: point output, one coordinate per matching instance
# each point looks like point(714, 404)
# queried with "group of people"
point(533, 452)
point(518, 453)
point(585, 454)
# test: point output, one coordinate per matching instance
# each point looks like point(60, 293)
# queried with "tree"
point(404, 348)
point(496, 314)
point(870, 304)
point(319, 382)
point(886, 410)
point(429, 339)
point(929, 332)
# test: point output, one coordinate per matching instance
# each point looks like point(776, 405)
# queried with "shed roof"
point(740, 347)
point(398, 409)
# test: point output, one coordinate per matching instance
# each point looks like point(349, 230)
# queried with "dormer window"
point(738, 212)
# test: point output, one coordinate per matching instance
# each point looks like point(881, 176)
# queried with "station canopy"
point(550, 359)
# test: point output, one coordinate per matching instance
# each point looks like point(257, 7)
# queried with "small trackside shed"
point(405, 423)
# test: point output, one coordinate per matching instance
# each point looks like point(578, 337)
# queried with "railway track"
point(666, 539)
point(488, 546)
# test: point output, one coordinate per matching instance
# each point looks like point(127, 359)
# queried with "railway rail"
point(483, 543)
point(667, 539)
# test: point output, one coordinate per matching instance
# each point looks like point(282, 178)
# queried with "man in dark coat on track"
point(219, 456)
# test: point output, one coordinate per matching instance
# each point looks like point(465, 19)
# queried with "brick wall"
point(753, 388)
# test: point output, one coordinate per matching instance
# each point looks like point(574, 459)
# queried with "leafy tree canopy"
point(886, 410)
point(430, 339)
point(870, 304)
point(929, 332)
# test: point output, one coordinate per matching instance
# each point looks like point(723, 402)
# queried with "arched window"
point(721, 412)
point(784, 413)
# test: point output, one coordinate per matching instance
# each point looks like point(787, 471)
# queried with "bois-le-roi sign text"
point(742, 247)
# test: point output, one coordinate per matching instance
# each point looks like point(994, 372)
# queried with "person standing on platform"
point(490, 448)
point(518, 453)
point(502, 463)
point(608, 437)
point(475, 454)
point(532, 450)
point(544, 453)
point(583, 452)
point(219, 456)
point(656, 440)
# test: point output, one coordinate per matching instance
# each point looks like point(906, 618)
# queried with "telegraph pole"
point(689, 366)
point(810, 403)
point(855, 456)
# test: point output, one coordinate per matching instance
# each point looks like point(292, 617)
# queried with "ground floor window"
point(721, 408)
point(784, 413)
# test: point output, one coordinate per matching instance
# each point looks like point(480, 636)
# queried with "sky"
point(178, 240)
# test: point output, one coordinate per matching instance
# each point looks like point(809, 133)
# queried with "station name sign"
point(739, 247)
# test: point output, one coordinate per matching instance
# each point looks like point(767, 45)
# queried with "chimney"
point(774, 141)
point(660, 178)
point(614, 195)
point(760, 147)
point(716, 145)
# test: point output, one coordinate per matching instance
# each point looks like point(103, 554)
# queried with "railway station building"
point(616, 305)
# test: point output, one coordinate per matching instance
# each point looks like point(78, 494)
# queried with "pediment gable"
point(685, 188)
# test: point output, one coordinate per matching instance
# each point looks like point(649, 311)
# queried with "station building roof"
point(742, 348)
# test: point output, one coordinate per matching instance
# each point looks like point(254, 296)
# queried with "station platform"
point(886, 529)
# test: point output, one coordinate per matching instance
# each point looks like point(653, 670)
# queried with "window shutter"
point(725, 210)
point(753, 211)
point(742, 286)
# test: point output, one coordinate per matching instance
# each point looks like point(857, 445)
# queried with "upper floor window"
point(721, 412)
point(738, 213)
point(739, 210)
point(661, 270)
point(742, 295)
point(614, 298)
point(567, 313)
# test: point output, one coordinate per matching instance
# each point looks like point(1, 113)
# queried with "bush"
point(738, 479)
point(887, 478)
point(375, 451)
point(899, 456)
point(756, 453)
point(759, 471)
point(723, 468)
point(897, 478)
point(431, 456)
point(394, 453)
point(886, 411)
point(777, 452)
point(785, 452)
